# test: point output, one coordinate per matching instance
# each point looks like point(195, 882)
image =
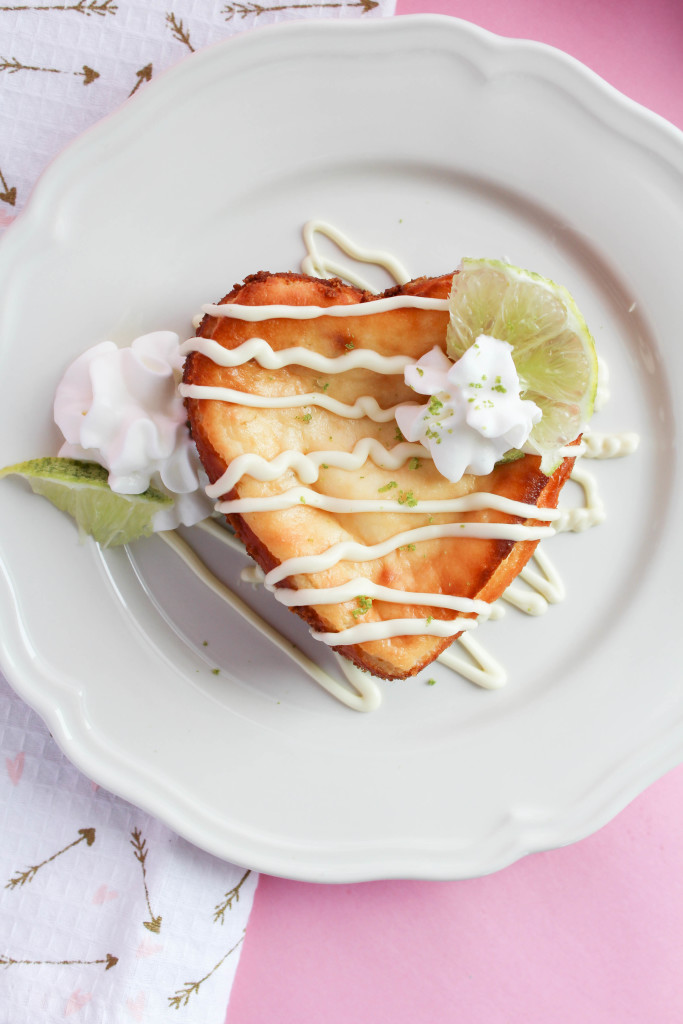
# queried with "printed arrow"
point(143, 75)
point(182, 995)
point(87, 7)
point(231, 10)
point(140, 846)
point(10, 194)
point(12, 65)
point(232, 896)
point(179, 31)
point(21, 877)
point(109, 960)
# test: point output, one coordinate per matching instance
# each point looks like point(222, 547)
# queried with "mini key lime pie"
point(390, 525)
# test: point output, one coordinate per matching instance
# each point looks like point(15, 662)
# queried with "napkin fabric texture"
point(63, 66)
point(106, 916)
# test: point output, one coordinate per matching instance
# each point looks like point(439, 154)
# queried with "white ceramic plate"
point(435, 140)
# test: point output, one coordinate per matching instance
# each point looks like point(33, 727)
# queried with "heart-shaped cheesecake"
point(356, 530)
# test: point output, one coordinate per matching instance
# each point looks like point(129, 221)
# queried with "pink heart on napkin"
point(136, 1006)
point(15, 767)
point(147, 948)
point(103, 894)
point(76, 1001)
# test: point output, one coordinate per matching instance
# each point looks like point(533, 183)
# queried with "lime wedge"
point(552, 348)
point(81, 489)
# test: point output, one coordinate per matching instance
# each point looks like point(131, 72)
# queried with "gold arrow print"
point(182, 996)
point(109, 960)
point(10, 194)
point(21, 877)
point(242, 10)
point(143, 75)
point(12, 65)
point(179, 31)
point(87, 7)
point(140, 846)
point(232, 896)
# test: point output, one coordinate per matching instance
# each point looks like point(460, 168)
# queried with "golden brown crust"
point(469, 567)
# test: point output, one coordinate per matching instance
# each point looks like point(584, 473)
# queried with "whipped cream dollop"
point(475, 413)
point(120, 407)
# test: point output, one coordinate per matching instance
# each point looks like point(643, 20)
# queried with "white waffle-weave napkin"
point(106, 916)
point(64, 65)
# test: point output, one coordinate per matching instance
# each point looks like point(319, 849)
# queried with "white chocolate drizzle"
point(468, 503)
point(307, 467)
point(256, 314)
point(575, 520)
point(609, 446)
point(388, 628)
point(354, 551)
point(260, 351)
point(544, 586)
point(360, 586)
point(366, 405)
point(481, 668)
point(318, 266)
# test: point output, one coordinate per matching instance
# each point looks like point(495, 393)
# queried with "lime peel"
point(552, 348)
point(81, 489)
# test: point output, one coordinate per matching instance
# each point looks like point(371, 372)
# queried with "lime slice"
point(81, 489)
point(552, 348)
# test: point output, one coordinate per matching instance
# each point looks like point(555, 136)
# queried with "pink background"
point(592, 933)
